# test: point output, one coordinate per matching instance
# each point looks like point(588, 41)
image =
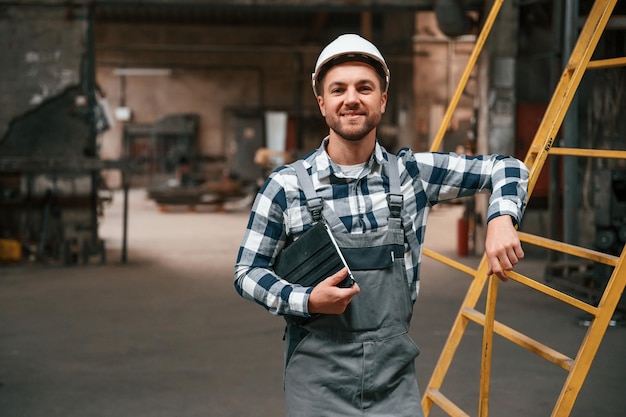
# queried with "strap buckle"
point(395, 203)
point(315, 207)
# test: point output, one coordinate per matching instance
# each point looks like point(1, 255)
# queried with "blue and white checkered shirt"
point(426, 179)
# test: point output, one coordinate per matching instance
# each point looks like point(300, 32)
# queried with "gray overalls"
point(359, 363)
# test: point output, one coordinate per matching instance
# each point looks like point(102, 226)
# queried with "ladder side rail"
point(478, 47)
point(566, 88)
point(614, 287)
point(537, 154)
point(487, 346)
point(456, 334)
point(471, 298)
point(591, 343)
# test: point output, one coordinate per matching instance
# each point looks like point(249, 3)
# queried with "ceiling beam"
point(388, 5)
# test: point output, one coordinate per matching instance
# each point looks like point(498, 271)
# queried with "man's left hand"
point(503, 247)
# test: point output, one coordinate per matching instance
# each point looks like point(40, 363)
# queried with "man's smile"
point(352, 115)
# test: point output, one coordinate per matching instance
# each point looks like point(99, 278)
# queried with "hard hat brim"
point(381, 70)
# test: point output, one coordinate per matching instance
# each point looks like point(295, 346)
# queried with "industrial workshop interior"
point(134, 136)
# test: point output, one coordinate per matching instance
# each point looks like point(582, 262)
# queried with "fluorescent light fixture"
point(142, 72)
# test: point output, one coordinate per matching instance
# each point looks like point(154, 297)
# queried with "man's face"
point(351, 100)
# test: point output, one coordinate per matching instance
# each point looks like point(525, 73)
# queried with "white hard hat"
point(348, 48)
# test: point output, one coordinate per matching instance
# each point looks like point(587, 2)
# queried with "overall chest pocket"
point(372, 258)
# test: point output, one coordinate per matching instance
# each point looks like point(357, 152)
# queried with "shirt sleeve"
point(445, 176)
point(263, 239)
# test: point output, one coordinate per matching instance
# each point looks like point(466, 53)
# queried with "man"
point(348, 353)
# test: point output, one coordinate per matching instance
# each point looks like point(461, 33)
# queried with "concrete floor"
point(166, 334)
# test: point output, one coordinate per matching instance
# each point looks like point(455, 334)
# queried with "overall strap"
point(314, 204)
point(395, 199)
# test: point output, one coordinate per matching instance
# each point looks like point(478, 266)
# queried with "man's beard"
point(350, 132)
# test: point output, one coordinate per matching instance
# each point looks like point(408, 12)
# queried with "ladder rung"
point(558, 295)
point(588, 153)
point(607, 63)
point(522, 340)
point(448, 261)
point(563, 247)
point(446, 405)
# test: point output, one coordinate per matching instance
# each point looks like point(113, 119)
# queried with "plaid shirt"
point(426, 179)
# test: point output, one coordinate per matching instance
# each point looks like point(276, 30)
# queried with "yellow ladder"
point(542, 146)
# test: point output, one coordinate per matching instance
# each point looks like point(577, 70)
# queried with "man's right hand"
point(328, 298)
